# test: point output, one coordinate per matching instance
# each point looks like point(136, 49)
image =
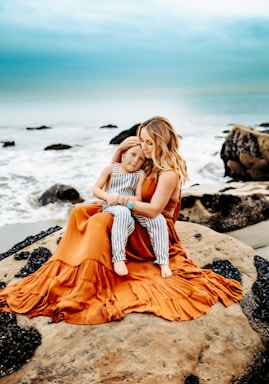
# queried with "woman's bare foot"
point(120, 268)
point(165, 270)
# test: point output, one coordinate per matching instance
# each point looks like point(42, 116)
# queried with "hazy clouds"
point(83, 47)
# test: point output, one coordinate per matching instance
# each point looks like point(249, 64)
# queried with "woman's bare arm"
point(138, 191)
point(167, 183)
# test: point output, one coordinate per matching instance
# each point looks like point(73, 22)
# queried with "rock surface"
point(226, 207)
point(245, 154)
point(217, 348)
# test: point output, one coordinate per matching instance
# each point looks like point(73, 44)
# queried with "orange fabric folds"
point(78, 283)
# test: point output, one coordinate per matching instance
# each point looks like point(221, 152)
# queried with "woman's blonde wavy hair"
point(164, 137)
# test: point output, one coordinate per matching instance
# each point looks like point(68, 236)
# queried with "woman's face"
point(147, 143)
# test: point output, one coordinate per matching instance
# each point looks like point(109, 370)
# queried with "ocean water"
point(27, 170)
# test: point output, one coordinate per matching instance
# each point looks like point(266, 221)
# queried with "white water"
point(27, 170)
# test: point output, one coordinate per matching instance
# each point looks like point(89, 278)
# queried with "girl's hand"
point(112, 198)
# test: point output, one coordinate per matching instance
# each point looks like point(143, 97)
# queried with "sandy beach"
point(256, 236)
point(15, 233)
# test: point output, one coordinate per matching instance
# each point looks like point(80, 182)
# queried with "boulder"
point(57, 147)
point(264, 125)
point(245, 153)
point(219, 347)
point(38, 128)
point(226, 207)
point(60, 192)
point(8, 144)
point(124, 134)
point(109, 126)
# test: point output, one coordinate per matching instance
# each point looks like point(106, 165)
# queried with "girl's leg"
point(158, 233)
point(123, 226)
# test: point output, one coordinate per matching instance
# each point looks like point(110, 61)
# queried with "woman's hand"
point(130, 141)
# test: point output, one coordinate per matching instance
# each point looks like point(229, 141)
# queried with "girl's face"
point(147, 143)
point(133, 158)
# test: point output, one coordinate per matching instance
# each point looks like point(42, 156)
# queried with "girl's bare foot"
point(165, 270)
point(120, 268)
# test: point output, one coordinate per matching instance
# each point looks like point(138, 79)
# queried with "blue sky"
point(81, 48)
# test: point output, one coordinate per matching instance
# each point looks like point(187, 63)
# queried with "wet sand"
point(15, 233)
point(256, 236)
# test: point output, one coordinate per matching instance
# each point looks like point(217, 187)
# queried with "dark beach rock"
point(57, 147)
point(22, 255)
point(260, 289)
point(60, 192)
point(226, 207)
point(255, 305)
point(8, 144)
point(29, 241)
point(224, 268)
point(37, 128)
point(245, 154)
point(109, 126)
point(17, 344)
point(265, 125)
point(124, 134)
point(191, 379)
point(257, 372)
point(38, 257)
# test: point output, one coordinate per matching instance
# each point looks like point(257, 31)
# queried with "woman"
point(78, 283)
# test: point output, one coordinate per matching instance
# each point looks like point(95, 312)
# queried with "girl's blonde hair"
point(164, 137)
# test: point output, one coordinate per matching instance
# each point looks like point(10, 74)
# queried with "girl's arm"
point(167, 183)
point(130, 141)
point(101, 182)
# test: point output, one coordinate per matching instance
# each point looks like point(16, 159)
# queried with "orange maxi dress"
point(78, 283)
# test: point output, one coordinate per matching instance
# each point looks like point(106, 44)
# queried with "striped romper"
point(124, 223)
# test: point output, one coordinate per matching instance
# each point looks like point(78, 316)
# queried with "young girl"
point(117, 184)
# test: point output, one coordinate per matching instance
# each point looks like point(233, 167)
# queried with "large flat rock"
point(142, 348)
point(226, 207)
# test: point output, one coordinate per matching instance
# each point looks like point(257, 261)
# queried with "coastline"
point(256, 236)
point(12, 234)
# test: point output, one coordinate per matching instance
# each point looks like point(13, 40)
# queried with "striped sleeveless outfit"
point(124, 223)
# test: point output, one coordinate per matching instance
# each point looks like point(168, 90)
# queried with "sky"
point(84, 48)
